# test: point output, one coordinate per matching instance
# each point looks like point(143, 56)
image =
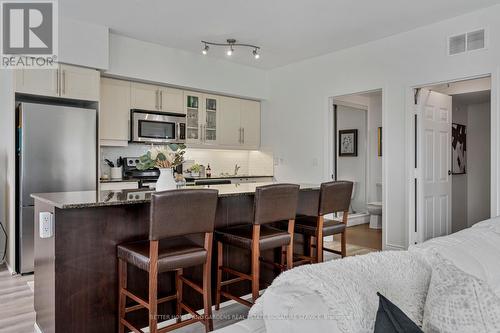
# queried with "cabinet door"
point(145, 97)
point(79, 83)
point(172, 100)
point(37, 81)
point(250, 123)
point(230, 129)
point(114, 111)
point(194, 117)
point(212, 119)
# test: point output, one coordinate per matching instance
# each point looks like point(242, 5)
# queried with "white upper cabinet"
point(172, 100)
point(145, 97)
point(114, 112)
point(250, 124)
point(65, 81)
point(211, 119)
point(239, 123)
point(156, 98)
point(38, 82)
point(79, 83)
point(195, 118)
point(230, 129)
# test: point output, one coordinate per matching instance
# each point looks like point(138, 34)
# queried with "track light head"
point(256, 54)
point(230, 51)
point(205, 50)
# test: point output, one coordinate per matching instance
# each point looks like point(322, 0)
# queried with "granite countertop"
point(86, 199)
point(188, 178)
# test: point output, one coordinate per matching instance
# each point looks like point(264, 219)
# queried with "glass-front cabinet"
point(201, 118)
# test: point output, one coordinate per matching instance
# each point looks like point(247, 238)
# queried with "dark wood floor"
point(362, 235)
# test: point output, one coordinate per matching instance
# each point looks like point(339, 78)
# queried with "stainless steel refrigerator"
point(57, 152)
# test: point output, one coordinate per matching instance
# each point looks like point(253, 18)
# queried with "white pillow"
point(458, 302)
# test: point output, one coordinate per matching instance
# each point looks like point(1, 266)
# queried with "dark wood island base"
point(76, 281)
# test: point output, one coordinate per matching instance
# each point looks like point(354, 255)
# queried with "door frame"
point(331, 149)
point(414, 182)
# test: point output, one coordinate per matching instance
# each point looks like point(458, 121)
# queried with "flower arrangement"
point(195, 168)
point(162, 157)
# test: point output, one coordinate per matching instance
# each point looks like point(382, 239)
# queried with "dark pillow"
point(390, 319)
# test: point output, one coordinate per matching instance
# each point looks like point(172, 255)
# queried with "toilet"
point(375, 211)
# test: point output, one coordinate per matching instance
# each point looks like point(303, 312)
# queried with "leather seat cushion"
point(241, 236)
point(307, 225)
point(173, 253)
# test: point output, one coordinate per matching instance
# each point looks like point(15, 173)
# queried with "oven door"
point(157, 128)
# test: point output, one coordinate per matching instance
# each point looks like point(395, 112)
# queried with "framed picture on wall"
point(458, 149)
point(348, 142)
point(379, 141)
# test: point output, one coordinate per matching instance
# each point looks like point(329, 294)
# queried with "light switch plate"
point(46, 225)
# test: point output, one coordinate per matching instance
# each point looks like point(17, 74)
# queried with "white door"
point(250, 123)
point(145, 97)
point(434, 155)
point(230, 131)
point(79, 83)
point(114, 111)
point(38, 81)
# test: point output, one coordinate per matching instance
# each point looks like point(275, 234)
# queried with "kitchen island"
point(76, 285)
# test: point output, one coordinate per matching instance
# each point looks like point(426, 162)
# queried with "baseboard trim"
point(11, 271)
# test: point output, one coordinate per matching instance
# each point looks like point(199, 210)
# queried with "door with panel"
point(195, 120)
point(435, 110)
point(230, 133)
point(114, 112)
point(171, 100)
point(212, 119)
point(250, 123)
point(79, 83)
point(145, 97)
point(43, 82)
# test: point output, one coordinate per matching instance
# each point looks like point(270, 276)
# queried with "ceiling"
point(287, 30)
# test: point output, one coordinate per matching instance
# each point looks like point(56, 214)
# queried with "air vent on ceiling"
point(475, 40)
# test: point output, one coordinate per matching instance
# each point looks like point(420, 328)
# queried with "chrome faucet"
point(236, 168)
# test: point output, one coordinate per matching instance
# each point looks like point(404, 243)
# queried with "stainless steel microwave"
point(157, 127)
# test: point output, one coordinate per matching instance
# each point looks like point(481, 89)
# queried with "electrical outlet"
point(46, 225)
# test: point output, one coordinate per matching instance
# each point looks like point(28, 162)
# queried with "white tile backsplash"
point(254, 163)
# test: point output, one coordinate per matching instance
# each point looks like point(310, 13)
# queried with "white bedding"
point(475, 250)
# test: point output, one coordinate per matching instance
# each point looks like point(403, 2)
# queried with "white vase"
point(166, 180)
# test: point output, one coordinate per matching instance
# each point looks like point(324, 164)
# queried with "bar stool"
point(334, 197)
point(272, 203)
point(172, 218)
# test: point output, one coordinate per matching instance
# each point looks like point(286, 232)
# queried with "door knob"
point(449, 172)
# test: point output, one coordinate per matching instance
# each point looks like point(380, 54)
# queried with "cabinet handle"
point(240, 140)
point(243, 130)
point(64, 82)
point(161, 100)
point(200, 137)
point(156, 99)
point(58, 88)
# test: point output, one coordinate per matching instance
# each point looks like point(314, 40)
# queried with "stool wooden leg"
point(255, 262)
point(311, 249)
point(220, 261)
point(289, 248)
point(178, 288)
point(122, 299)
point(207, 290)
point(153, 287)
point(319, 240)
point(343, 239)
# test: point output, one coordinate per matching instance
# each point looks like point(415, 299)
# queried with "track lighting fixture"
point(231, 44)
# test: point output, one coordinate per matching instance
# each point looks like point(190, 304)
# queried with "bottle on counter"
point(208, 171)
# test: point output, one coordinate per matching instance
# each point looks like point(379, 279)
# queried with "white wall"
point(7, 162)
point(353, 168)
point(298, 103)
point(459, 182)
point(478, 163)
point(84, 44)
point(136, 59)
